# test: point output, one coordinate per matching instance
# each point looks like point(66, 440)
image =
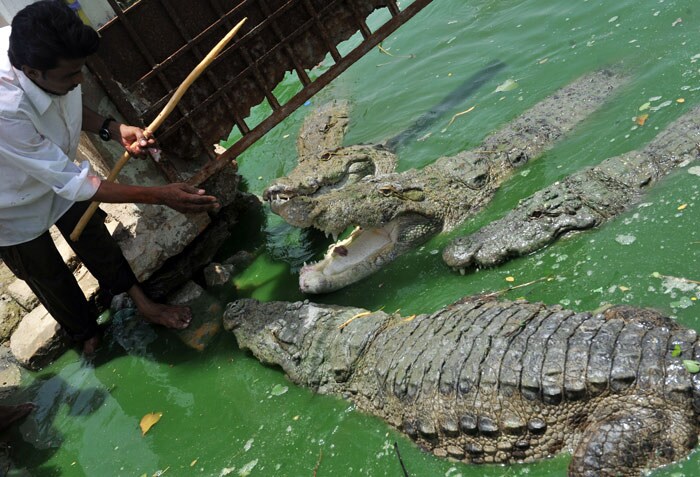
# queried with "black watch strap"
point(104, 129)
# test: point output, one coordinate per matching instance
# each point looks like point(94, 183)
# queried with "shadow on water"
point(33, 442)
point(456, 97)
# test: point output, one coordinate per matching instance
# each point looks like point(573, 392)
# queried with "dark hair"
point(46, 31)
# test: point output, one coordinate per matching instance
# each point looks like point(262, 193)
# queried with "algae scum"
point(225, 414)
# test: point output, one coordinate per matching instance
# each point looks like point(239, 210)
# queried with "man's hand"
point(135, 140)
point(185, 198)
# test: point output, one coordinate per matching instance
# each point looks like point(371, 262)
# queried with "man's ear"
point(32, 73)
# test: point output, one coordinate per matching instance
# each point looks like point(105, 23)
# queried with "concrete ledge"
point(38, 339)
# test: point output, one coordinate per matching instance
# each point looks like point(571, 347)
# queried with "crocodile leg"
point(627, 443)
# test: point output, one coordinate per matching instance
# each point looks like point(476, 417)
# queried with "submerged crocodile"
point(487, 381)
point(581, 201)
point(395, 212)
point(324, 165)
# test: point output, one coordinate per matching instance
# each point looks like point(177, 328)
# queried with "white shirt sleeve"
point(43, 160)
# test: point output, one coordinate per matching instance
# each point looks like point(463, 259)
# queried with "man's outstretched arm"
point(178, 196)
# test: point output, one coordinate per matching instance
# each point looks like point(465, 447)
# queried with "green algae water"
point(223, 413)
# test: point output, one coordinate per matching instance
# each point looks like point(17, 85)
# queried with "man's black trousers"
point(38, 263)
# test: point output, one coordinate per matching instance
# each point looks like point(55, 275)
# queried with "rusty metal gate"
point(152, 45)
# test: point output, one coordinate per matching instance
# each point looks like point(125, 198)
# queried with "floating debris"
point(248, 468)
point(458, 115)
point(508, 85)
point(625, 239)
point(278, 390)
point(148, 421)
point(641, 119)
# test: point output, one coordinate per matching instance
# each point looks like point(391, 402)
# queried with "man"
point(41, 115)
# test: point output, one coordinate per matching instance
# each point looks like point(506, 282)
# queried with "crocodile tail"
point(628, 443)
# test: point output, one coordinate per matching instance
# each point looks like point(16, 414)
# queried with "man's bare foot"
point(171, 316)
point(12, 414)
point(90, 345)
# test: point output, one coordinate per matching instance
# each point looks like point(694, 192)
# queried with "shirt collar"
point(38, 97)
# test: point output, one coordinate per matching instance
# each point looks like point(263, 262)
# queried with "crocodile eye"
point(388, 190)
point(359, 167)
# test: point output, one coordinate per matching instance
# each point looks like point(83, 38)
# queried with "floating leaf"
point(613, 19)
point(676, 351)
point(682, 206)
point(148, 421)
point(645, 106)
point(623, 288)
point(680, 100)
point(510, 279)
point(507, 85)
point(278, 390)
point(641, 119)
point(693, 367)
point(193, 463)
point(656, 275)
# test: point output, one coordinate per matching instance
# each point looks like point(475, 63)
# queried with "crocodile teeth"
point(277, 198)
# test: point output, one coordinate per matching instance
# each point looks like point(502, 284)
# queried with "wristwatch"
point(104, 130)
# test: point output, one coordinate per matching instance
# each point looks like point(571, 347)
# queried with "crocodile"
point(394, 212)
point(489, 381)
point(581, 201)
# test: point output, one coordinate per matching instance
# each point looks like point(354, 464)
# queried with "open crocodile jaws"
point(486, 381)
point(410, 207)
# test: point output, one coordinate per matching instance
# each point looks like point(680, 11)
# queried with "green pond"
point(223, 413)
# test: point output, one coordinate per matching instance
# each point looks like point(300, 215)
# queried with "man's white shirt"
point(39, 135)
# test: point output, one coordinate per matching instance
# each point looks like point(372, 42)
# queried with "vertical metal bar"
point(393, 7)
point(208, 72)
point(260, 80)
point(153, 64)
point(237, 118)
point(322, 30)
point(364, 29)
point(301, 72)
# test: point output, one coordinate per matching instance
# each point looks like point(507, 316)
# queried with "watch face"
point(105, 134)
